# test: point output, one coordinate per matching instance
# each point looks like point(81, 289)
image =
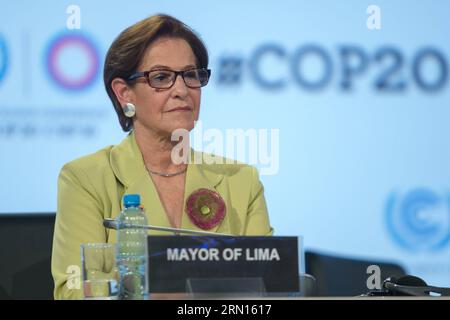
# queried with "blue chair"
point(26, 249)
point(345, 276)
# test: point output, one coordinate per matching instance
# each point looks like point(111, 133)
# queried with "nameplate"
point(175, 259)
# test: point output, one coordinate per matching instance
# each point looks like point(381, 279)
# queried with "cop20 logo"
point(60, 55)
point(419, 220)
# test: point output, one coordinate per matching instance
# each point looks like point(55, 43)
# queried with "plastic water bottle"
point(132, 256)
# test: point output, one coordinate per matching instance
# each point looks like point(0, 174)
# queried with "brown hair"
point(127, 50)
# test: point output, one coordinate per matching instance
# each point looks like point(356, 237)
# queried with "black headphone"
point(411, 286)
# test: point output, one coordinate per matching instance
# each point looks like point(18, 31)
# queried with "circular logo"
point(419, 220)
point(72, 61)
point(3, 58)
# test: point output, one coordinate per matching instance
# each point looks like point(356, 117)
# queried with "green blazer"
point(91, 189)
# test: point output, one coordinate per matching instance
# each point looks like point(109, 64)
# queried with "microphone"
point(113, 224)
point(412, 286)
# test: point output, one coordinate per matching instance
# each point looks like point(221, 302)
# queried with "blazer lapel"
point(128, 166)
point(200, 176)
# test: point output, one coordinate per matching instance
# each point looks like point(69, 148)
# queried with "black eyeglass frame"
point(145, 74)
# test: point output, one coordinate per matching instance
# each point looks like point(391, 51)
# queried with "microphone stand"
point(113, 224)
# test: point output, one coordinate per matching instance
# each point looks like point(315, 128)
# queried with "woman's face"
point(164, 110)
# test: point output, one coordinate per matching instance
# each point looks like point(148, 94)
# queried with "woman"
point(153, 74)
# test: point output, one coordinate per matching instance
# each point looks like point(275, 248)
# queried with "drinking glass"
point(100, 272)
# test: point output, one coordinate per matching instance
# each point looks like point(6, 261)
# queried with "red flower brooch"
point(205, 208)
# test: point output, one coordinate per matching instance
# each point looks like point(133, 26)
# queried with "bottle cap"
point(131, 200)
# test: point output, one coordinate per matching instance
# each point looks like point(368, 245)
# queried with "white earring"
point(129, 110)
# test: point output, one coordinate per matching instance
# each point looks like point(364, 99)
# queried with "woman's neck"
point(156, 151)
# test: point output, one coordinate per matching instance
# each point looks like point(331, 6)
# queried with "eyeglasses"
point(165, 79)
